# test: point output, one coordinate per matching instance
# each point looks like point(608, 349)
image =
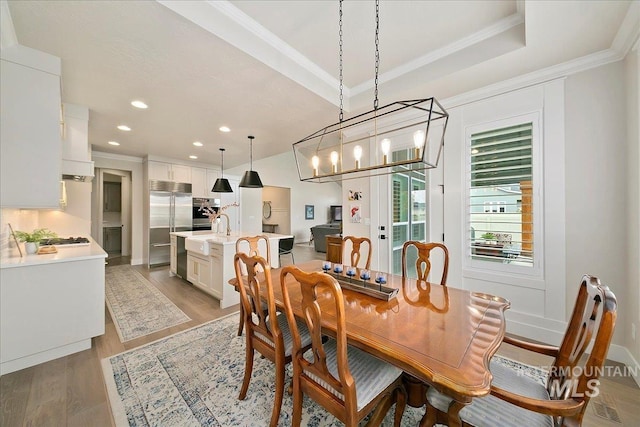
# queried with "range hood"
point(76, 152)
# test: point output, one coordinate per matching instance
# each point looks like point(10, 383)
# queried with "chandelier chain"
point(341, 84)
point(377, 67)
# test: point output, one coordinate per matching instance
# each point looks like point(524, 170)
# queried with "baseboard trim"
point(44, 356)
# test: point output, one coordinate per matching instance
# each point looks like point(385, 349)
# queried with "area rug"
point(193, 378)
point(137, 307)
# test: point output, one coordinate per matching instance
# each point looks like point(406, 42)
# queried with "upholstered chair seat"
point(372, 374)
point(491, 411)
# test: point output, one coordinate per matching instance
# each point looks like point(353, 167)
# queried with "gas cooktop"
point(65, 241)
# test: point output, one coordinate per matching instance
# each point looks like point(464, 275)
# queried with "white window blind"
point(500, 206)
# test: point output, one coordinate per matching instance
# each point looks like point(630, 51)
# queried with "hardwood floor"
point(70, 391)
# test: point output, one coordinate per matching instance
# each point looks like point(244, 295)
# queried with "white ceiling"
point(270, 68)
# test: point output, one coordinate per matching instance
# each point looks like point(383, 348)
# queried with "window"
point(500, 194)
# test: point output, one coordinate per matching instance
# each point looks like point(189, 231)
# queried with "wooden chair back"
point(358, 246)
point(312, 373)
point(595, 312)
point(258, 288)
point(254, 246)
point(423, 261)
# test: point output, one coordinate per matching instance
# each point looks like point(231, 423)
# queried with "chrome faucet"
point(228, 225)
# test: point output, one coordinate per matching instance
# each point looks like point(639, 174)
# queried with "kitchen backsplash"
point(73, 221)
point(20, 219)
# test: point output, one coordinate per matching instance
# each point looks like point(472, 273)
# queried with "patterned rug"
point(137, 307)
point(193, 378)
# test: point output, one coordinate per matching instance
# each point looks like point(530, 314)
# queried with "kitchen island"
point(50, 305)
point(210, 261)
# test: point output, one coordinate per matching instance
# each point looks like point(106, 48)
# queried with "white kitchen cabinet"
point(168, 172)
point(173, 263)
point(202, 181)
point(199, 182)
point(199, 271)
point(50, 305)
point(30, 140)
point(222, 270)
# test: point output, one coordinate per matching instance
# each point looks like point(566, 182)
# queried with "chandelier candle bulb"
point(418, 142)
point(315, 161)
point(357, 153)
point(385, 145)
point(334, 162)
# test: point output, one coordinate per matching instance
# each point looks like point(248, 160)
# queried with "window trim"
point(480, 265)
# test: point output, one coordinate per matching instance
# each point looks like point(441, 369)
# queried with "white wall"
point(632, 88)
point(281, 171)
point(75, 219)
point(596, 177)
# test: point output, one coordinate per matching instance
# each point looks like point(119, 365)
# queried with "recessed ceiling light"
point(124, 128)
point(114, 143)
point(224, 129)
point(198, 144)
point(139, 104)
point(193, 157)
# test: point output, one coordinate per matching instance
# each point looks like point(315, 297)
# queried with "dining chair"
point(518, 400)
point(348, 382)
point(285, 246)
point(423, 261)
point(358, 246)
point(250, 245)
point(266, 331)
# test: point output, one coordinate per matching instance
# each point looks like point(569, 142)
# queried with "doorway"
point(276, 210)
point(111, 212)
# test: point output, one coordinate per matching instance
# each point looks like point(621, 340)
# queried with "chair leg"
point(401, 403)
point(277, 404)
point(430, 416)
point(248, 368)
point(297, 404)
point(241, 325)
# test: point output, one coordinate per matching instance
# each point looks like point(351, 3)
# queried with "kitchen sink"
point(197, 244)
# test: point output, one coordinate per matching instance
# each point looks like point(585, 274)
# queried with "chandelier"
point(401, 136)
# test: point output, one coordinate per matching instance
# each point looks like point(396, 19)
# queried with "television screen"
point(336, 213)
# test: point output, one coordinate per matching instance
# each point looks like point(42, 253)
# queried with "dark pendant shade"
point(251, 179)
point(222, 186)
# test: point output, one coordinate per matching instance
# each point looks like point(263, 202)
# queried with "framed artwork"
point(355, 214)
point(308, 212)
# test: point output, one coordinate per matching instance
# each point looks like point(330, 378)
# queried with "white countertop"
point(223, 239)
point(11, 258)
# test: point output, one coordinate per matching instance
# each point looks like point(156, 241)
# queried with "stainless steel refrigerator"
point(170, 209)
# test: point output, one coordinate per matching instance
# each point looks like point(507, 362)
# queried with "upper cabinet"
point(30, 140)
point(199, 182)
point(169, 172)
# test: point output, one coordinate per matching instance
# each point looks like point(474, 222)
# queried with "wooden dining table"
point(438, 335)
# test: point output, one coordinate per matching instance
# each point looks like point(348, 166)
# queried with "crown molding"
point(487, 33)
point(226, 21)
point(629, 32)
point(537, 77)
point(113, 156)
point(8, 36)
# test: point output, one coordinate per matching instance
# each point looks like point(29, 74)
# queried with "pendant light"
point(402, 136)
point(251, 179)
point(222, 184)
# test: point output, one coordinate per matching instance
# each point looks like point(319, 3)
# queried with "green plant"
point(488, 236)
point(37, 235)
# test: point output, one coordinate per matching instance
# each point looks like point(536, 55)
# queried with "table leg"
point(416, 390)
point(431, 415)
